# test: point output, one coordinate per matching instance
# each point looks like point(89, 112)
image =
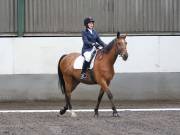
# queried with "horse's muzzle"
point(125, 56)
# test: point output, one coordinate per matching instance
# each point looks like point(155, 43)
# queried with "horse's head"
point(121, 45)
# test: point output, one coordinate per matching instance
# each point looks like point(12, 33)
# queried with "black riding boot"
point(84, 68)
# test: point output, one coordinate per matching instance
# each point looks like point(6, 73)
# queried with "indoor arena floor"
point(136, 118)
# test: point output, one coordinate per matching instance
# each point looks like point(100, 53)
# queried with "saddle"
point(78, 63)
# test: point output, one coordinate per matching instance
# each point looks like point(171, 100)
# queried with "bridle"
point(118, 51)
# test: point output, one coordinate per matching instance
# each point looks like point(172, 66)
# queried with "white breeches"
point(87, 55)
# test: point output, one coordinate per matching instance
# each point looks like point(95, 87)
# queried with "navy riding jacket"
point(89, 39)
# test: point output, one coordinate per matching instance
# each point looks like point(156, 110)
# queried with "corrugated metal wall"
point(147, 15)
point(8, 16)
point(66, 16)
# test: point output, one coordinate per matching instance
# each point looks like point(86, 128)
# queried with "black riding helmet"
point(88, 20)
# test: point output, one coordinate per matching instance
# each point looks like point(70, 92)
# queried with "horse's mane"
point(107, 48)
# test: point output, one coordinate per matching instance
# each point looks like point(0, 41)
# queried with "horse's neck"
point(111, 56)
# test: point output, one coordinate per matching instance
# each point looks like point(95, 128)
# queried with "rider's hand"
point(93, 44)
point(97, 45)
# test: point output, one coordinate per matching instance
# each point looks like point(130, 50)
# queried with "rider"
point(91, 41)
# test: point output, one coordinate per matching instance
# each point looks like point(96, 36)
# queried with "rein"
point(101, 52)
point(118, 51)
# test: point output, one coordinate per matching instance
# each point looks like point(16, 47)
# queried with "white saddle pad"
point(78, 63)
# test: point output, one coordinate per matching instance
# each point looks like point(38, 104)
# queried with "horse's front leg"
point(101, 93)
point(105, 88)
point(110, 96)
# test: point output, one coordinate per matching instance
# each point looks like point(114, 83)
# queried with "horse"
point(103, 72)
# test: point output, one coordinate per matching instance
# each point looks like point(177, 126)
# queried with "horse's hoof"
point(62, 112)
point(115, 114)
point(73, 114)
point(96, 115)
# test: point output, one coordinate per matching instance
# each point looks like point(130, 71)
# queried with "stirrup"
point(83, 76)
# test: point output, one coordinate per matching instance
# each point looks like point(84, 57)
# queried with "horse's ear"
point(125, 34)
point(118, 34)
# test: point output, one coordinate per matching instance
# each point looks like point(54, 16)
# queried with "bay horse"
point(103, 72)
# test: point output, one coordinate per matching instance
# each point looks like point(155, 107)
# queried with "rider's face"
point(91, 25)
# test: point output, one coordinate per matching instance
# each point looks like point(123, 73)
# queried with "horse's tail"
point(60, 75)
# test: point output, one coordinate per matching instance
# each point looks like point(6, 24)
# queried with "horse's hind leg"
point(70, 85)
point(67, 97)
point(62, 111)
point(101, 93)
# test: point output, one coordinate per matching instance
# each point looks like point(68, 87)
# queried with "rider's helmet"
point(88, 20)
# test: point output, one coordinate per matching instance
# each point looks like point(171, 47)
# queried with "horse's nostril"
point(125, 57)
